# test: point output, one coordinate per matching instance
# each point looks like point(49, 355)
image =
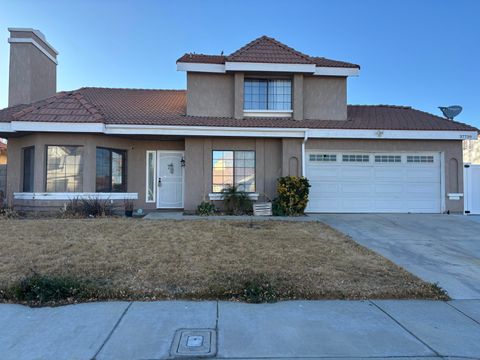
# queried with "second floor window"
point(266, 94)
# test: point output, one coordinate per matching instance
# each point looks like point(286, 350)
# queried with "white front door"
point(169, 179)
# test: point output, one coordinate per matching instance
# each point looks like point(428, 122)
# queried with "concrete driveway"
point(437, 248)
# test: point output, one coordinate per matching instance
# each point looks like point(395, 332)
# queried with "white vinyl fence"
point(471, 178)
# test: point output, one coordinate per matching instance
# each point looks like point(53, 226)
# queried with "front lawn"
point(201, 259)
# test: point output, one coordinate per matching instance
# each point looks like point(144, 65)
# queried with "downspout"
point(304, 162)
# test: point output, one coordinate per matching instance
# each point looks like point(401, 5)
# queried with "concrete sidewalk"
point(285, 330)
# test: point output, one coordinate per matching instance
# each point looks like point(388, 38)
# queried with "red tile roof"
point(266, 50)
point(168, 107)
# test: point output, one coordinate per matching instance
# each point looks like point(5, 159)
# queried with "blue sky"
point(423, 53)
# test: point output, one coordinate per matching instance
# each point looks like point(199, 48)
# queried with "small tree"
point(292, 196)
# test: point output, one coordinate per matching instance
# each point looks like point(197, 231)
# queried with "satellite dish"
point(451, 111)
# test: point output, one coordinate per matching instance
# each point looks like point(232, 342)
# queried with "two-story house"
point(264, 111)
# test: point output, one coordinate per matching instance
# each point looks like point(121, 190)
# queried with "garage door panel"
point(422, 191)
point(389, 206)
point(419, 206)
point(324, 172)
point(355, 172)
point(356, 189)
point(376, 186)
point(423, 175)
point(388, 173)
point(324, 189)
point(356, 205)
point(389, 189)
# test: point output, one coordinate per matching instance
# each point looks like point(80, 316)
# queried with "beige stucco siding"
point(325, 97)
point(136, 157)
point(221, 95)
point(452, 151)
point(210, 94)
point(198, 172)
point(274, 158)
point(32, 76)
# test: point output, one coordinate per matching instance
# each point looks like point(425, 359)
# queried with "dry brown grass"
point(202, 258)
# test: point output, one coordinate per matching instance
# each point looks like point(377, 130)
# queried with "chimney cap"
point(38, 33)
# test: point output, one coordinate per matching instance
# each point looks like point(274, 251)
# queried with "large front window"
point(64, 169)
point(233, 168)
point(111, 174)
point(266, 94)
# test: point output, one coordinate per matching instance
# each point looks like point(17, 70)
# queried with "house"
point(264, 111)
point(471, 151)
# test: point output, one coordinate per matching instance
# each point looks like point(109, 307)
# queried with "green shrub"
point(205, 208)
point(236, 202)
point(292, 196)
point(258, 291)
point(41, 289)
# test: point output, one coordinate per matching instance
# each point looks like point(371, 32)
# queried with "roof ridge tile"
point(257, 41)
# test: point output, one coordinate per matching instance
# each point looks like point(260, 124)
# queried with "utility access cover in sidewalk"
point(194, 343)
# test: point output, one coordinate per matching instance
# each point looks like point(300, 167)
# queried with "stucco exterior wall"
point(221, 95)
point(274, 158)
point(136, 158)
point(210, 94)
point(33, 75)
point(452, 150)
point(198, 152)
point(324, 97)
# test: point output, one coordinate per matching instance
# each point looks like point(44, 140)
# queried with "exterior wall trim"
point(198, 67)
point(336, 71)
point(268, 113)
point(34, 43)
point(73, 195)
point(219, 196)
point(40, 126)
point(267, 67)
point(121, 129)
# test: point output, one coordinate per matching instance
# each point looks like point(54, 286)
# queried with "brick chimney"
point(33, 67)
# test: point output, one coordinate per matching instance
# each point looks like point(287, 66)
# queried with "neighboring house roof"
point(168, 107)
point(266, 50)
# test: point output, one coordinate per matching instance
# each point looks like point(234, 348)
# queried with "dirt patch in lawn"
point(202, 259)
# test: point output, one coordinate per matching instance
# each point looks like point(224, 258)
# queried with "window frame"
point(147, 179)
point(46, 167)
point(32, 179)
point(233, 167)
point(267, 80)
point(124, 169)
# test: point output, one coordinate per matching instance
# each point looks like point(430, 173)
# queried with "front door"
point(169, 179)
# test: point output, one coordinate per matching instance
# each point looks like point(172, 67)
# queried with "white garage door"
point(374, 182)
